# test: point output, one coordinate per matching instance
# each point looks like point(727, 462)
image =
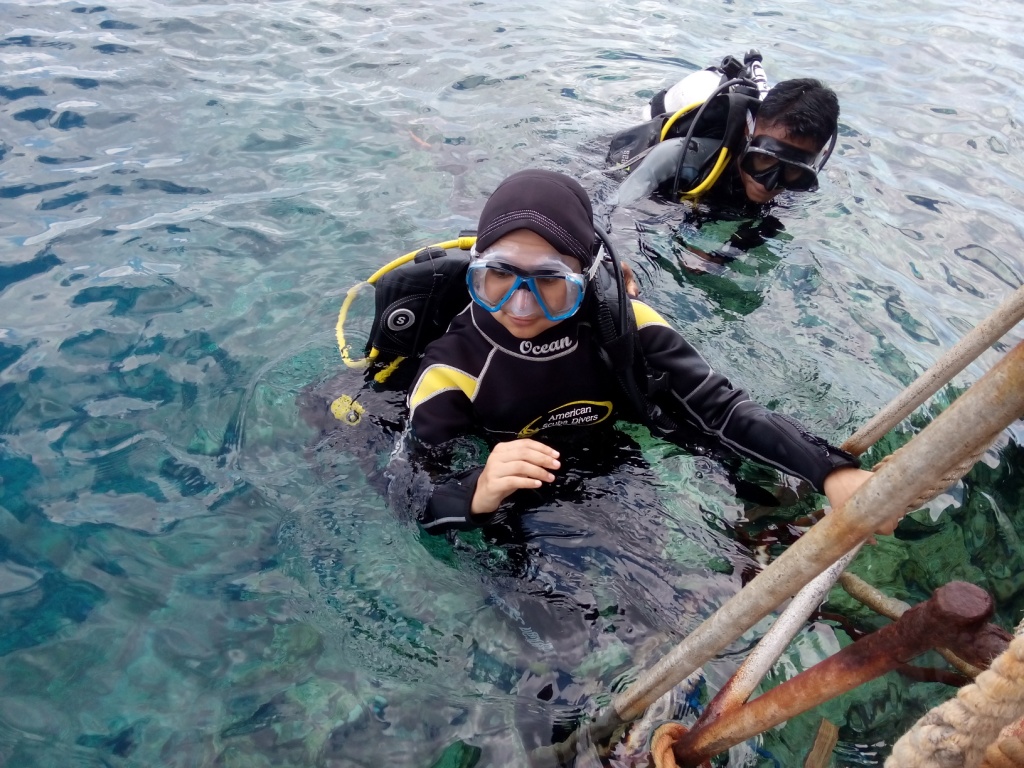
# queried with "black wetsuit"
point(479, 379)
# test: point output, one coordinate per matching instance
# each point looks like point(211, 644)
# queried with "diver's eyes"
point(761, 162)
point(499, 274)
point(548, 282)
point(792, 173)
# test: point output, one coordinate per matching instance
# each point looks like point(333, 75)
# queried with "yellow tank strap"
point(381, 376)
point(672, 120)
point(704, 186)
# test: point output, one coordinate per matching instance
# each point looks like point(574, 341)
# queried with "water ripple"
point(189, 189)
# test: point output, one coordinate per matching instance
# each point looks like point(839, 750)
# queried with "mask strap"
point(601, 253)
point(828, 151)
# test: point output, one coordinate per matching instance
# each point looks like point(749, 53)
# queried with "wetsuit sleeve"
point(708, 401)
point(449, 503)
point(441, 412)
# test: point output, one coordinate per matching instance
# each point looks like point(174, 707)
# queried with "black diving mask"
point(774, 164)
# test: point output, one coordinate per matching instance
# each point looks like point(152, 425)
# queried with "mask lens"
point(557, 293)
point(774, 164)
point(495, 285)
point(760, 163)
point(553, 293)
point(799, 178)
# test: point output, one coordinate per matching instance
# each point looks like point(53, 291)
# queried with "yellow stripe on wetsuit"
point(442, 378)
point(645, 315)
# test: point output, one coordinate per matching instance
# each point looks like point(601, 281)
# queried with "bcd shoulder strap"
point(619, 348)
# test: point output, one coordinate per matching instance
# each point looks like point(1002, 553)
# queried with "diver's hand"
point(511, 466)
point(840, 485)
point(632, 286)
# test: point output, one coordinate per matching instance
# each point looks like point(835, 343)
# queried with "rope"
point(955, 473)
point(1008, 751)
point(825, 742)
point(956, 734)
point(664, 737)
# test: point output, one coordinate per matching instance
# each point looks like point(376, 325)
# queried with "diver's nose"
point(522, 302)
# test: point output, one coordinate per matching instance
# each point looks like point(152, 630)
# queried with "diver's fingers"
point(526, 469)
point(509, 468)
point(503, 486)
point(494, 485)
point(629, 280)
point(535, 458)
point(490, 492)
point(534, 444)
point(525, 444)
point(527, 450)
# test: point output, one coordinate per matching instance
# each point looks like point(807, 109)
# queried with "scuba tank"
point(708, 111)
point(662, 162)
point(694, 88)
point(415, 298)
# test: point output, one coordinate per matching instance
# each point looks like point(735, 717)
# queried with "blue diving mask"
point(550, 287)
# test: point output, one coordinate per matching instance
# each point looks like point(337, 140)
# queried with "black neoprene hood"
point(550, 204)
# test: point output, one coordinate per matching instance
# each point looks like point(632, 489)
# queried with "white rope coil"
point(1008, 751)
point(956, 734)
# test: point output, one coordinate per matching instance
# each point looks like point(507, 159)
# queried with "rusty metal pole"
point(972, 421)
point(955, 616)
point(738, 689)
point(746, 679)
point(892, 608)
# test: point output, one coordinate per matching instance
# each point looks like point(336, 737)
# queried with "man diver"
point(526, 367)
point(793, 135)
point(722, 137)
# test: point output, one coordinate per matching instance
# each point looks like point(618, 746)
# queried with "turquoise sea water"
point(188, 577)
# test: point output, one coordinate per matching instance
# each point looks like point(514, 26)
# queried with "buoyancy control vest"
point(695, 128)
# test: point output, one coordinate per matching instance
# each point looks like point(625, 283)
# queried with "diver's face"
point(757, 193)
point(527, 250)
